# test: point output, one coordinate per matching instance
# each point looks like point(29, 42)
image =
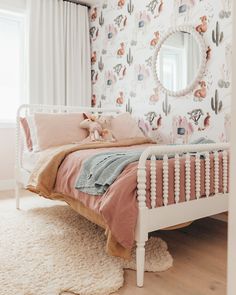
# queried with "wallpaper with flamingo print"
point(124, 35)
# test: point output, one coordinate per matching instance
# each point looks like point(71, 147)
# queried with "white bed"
point(155, 218)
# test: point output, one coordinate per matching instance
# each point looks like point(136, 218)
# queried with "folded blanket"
point(42, 179)
point(101, 170)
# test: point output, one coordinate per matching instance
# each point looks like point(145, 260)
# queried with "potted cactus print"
point(166, 107)
point(130, 7)
point(128, 107)
point(217, 36)
point(101, 20)
point(130, 58)
point(216, 104)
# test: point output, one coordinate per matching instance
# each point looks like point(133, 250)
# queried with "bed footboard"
point(153, 218)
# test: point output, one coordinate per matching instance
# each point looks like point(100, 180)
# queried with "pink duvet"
point(118, 205)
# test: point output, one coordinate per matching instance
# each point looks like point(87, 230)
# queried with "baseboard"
point(7, 184)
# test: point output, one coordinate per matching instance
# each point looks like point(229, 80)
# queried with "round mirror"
point(179, 61)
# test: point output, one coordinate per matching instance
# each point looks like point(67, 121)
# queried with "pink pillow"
point(26, 129)
point(124, 126)
point(58, 129)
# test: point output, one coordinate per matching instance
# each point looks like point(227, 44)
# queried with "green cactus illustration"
point(101, 20)
point(100, 64)
point(99, 106)
point(216, 104)
point(130, 7)
point(166, 107)
point(130, 58)
point(217, 36)
point(128, 107)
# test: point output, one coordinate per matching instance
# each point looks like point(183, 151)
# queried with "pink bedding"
point(118, 206)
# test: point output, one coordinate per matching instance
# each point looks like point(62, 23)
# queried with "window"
point(12, 64)
point(170, 71)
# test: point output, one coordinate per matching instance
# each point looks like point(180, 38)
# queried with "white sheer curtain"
point(59, 53)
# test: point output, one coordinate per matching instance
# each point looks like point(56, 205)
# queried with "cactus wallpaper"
point(124, 35)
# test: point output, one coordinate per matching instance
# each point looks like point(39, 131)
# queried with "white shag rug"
point(53, 250)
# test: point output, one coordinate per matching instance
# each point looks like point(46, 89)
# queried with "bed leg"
point(17, 194)
point(140, 260)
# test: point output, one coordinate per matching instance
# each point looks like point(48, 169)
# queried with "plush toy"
point(97, 127)
point(94, 128)
point(105, 122)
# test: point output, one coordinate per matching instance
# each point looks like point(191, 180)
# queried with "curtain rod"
point(78, 3)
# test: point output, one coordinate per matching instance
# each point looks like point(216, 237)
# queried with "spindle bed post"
point(141, 231)
point(177, 179)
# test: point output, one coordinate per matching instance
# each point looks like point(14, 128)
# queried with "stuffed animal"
point(99, 128)
point(105, 122)
point(94, 128)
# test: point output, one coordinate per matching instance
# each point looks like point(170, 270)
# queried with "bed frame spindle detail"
point(168, 215)
point(225, 172)
point(153, 181)
point(142, 187)
point(198, 175)
point(216, 169)
point(177, 179)
point(207, 172)
point(165, 180)
point(188, 177)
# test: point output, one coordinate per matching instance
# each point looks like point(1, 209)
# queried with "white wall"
point(232, 209)
point(7, 157)
point(13, 4)
point(7, 134)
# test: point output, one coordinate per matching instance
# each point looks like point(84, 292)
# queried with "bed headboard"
point(29, 109)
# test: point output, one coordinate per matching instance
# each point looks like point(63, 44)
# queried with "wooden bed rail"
point(176, 151)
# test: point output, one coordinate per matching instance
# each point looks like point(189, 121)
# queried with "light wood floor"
point(199, 253)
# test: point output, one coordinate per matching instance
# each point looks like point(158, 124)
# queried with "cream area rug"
point(53, 250)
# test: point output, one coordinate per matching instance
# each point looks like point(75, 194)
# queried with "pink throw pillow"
point(58, 129)
point(26, 129)
point(124, 126)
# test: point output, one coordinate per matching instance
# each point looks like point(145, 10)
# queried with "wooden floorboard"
point(199, 253)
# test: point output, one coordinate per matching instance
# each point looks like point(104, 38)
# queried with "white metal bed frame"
point(155, 218)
